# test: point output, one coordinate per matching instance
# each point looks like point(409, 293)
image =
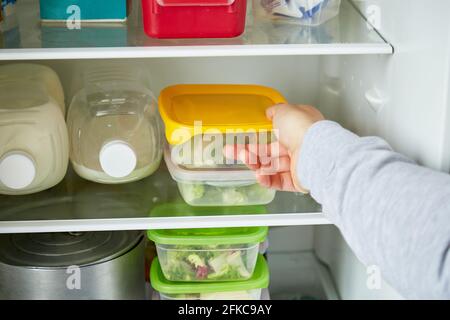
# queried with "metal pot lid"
point(59, 250)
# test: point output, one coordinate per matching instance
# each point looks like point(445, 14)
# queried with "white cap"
point(118, 159)
point(17, 170)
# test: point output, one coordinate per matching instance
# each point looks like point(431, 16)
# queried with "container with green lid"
point(217, 254)
point(237, 290)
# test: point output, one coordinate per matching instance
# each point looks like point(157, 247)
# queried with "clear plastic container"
point(208, 255)
point(114, 126)
point(34, 146)
point(219, 187)
point(91, 11)
point(303, 12)
point(235, 290)
point(254, 294)
point(201, 119)
point(207, 150)
point(182, 209)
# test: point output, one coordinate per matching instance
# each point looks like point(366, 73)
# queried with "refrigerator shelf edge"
point(346, 34)
point(152, 203)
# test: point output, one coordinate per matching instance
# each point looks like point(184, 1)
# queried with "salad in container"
point(237, 290)
point(219, 187)
point(208, 255)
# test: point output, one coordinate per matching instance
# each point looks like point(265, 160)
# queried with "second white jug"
point(114, 127)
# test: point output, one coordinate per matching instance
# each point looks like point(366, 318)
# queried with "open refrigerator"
point(381, 67)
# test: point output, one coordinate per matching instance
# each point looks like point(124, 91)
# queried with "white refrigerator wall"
point(403, 98)
point(411, 86)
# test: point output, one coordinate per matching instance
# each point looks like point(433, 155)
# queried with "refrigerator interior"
point(403, 98)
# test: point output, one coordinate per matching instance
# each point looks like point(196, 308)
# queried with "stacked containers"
point(199, 121)
point(221, 263)
point(194, 18)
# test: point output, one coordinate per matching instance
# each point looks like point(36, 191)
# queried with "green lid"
point(183, 210)
point(259, 280)
point(209, 236)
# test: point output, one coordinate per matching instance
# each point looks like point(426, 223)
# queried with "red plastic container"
point(194, 18)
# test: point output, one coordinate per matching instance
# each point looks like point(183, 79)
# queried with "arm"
point(392, 212)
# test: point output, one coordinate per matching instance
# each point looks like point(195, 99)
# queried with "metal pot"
point(91, 265)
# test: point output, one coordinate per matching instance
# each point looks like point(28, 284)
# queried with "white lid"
point(17, 170)
point(118, 159)
point(219, 177)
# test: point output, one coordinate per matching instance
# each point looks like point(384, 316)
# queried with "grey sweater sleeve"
point(393, 213)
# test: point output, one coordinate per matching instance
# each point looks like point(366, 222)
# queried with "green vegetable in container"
point(199, 264)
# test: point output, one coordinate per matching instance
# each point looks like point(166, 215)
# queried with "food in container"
point(249, 289)
point(205, 255)
point(221, 187)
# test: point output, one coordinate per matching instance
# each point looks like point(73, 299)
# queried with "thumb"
point(271, 111)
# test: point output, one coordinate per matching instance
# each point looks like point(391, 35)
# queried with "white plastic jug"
point(114, 127)
point(34, 145)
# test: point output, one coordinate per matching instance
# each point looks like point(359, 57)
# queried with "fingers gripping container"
point(34, 146)
point(194, 18)
point(249, 289)
point(208, 255)
point(304, 12)
point(224, 187)
point(114, 127)
point(201, 119)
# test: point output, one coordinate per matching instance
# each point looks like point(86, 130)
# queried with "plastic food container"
point(236, 290)
point(85, 10)
point(194, 18)
point(303, 12)
point(184, 210)
point(114, 126)
point(208, 255)
point(225, 187)
point(201, 119)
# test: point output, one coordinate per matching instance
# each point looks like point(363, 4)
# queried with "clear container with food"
point(208, 255)
point(201, 119)
point(236, 290)
point(218, 187)
point(303, 12)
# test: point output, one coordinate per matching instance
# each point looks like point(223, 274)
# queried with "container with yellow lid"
point(201, 119)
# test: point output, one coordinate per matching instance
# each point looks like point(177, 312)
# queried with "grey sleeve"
point(392, 212)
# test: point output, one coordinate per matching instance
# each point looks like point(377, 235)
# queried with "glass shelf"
point(346, 34)
point(152, 203)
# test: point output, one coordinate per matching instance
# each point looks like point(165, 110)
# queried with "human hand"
point(275, 164)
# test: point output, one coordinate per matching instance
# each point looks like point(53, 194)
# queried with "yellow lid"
point(219, 108)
